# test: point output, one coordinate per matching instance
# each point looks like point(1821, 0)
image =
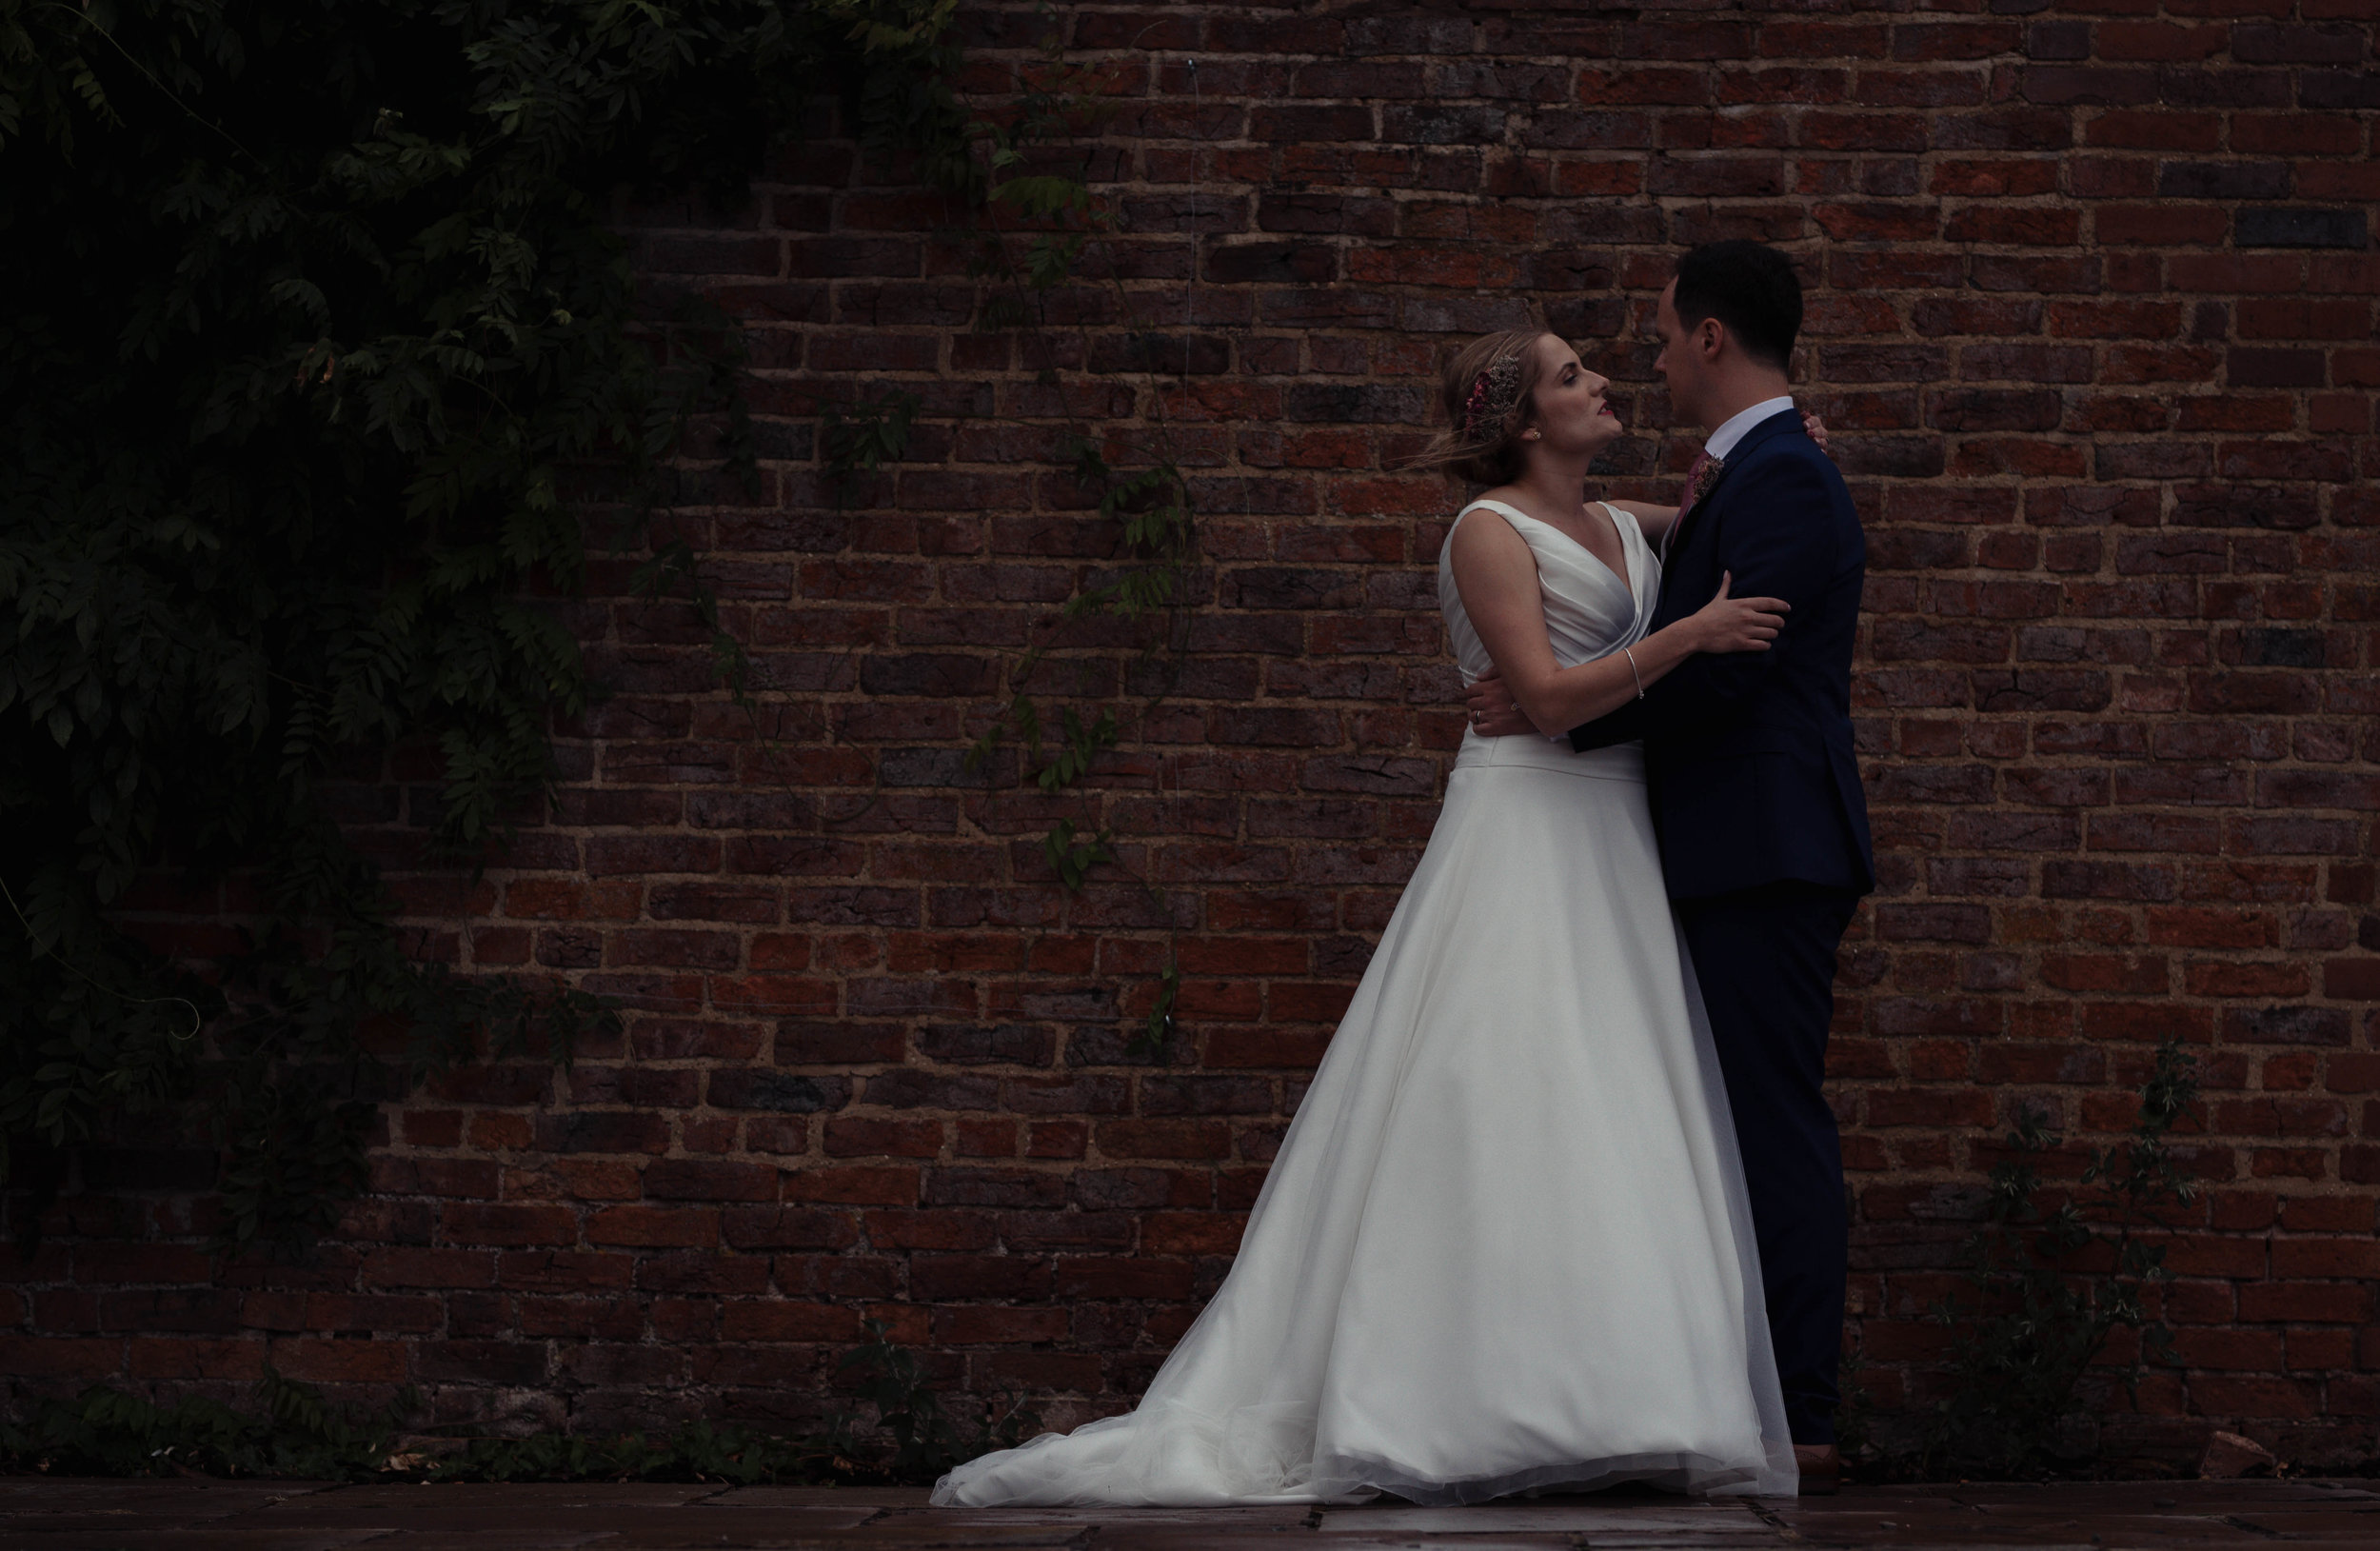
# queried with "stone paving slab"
point(1288, 1516)
point(1577, 1516)
point(43, 1515)
point(602, 1497)
point(2113, 1516)
point(195, 1539)
point(782, 1497)
point(25, 1501)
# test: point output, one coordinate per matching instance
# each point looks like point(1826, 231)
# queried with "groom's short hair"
point(1749, 286)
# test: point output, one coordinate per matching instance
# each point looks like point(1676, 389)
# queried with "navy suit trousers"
point(1765, 959)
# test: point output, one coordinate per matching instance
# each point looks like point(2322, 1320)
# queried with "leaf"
point(1157, 1028)
point(1042, 197)
point(1072, 860)
point(869, 435)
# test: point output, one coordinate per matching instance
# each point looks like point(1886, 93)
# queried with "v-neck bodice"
point(1591, 610)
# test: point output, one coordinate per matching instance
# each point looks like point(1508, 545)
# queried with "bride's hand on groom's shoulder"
point(1814, 428)
point(1493, 711)
point(1728, 624)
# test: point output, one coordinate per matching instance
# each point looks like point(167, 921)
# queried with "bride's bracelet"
point(1632, 670)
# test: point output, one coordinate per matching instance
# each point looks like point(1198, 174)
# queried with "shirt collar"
point(1723, 440)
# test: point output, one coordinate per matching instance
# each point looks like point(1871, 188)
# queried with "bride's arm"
point(1498, 579)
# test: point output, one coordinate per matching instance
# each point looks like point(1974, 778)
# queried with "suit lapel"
point(1686, 519)
point(1781, 421)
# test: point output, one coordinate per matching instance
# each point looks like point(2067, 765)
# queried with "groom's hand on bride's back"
point(1493, 712)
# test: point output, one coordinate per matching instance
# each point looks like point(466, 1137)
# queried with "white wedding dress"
point(1505, 1245)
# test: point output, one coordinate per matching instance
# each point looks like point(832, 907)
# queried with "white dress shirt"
point(1723, 440)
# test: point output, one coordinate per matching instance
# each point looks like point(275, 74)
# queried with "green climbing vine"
point(2050, 1287)
point(317, 314)
point(1158, 543)
point(322, 314)
point(1034, 220)
point(1041, 219)
point(2053, 1276)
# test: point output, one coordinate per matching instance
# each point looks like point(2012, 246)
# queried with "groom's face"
point(1680, 363)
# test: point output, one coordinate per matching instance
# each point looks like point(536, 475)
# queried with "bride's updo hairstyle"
point(1488, 392)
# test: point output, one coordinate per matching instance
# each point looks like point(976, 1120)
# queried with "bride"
point(1505, 1245)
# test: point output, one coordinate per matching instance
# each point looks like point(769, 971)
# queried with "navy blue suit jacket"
point(1749, 754)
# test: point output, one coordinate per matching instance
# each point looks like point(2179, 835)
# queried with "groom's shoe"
point(1821, 1467)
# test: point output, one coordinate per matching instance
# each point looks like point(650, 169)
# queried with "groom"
point(1755, 796)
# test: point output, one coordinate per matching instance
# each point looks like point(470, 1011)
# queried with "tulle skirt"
point(1505, 1245)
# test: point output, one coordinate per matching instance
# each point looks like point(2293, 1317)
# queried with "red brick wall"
point(2092, 315)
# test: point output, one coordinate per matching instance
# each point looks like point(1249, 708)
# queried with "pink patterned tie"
point(1699, 477)
point(1699, 473)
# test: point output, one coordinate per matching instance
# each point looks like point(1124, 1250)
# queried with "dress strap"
point(1511, 510)
point(1496, 506)
point(1631, 532)
point(1509, 513)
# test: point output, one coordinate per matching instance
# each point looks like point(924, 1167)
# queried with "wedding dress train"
point(1505, 1244)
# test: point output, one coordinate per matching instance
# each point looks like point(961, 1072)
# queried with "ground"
point(39, 1513)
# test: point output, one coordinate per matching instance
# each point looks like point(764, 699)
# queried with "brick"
point(776, 1091)
point(653, 1226)
point(341, 1362)
point(788, 1227)
point(491, 1222)
point(605, 1131)
point(970, 1275)
point(781, 1321)
point(399, 1266)
point(2302, 228)
point(686, 1179)
point(2312, 1302)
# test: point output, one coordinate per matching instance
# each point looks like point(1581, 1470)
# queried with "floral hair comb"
point(1493, 393)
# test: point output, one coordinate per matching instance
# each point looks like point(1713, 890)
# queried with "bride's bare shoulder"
point(1483, 538)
